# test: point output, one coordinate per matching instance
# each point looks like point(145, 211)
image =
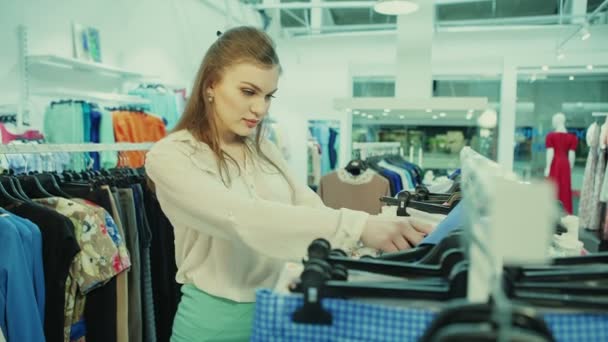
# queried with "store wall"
point(164, 38)
point(319, 69)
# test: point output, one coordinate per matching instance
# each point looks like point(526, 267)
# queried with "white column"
point(346, 143)
point(414, 75)
point(275, 14)
point(506, 117)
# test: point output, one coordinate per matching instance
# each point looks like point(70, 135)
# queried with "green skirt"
point(202, 317)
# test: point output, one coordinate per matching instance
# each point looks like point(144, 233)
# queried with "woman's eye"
point(270, 97)
point(248, 92)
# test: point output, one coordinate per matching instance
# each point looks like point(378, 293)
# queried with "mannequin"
point(561, 154)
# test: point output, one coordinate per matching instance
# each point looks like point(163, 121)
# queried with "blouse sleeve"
point(549, 141)
point(194, 199)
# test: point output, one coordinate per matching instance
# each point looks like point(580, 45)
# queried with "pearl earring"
point(210, 98)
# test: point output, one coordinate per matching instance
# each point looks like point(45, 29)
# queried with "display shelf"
point(76, 64)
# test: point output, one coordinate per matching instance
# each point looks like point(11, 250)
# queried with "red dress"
point(560, 171)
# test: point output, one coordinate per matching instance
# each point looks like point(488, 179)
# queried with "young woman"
point(237, 211)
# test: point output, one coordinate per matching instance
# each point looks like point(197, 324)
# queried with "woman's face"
point(241, 98)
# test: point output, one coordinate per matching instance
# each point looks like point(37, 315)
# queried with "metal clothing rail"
point(72, 148)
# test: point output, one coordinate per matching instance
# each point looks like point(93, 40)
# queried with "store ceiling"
point(364, 18)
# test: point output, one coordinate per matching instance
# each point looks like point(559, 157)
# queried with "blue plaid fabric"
point(354, 321)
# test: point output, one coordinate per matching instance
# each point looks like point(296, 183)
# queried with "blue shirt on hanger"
point(35, 253)
point(21, 322)
point(453, 221)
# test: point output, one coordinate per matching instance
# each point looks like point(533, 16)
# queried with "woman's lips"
point(251, 123)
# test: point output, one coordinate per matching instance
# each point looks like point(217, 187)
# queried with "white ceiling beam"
point(316, 16)
point(346, 4)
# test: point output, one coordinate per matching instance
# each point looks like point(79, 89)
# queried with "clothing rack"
point(72, 148)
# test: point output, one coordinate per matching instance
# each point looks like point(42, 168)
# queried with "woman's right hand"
point(392, 234)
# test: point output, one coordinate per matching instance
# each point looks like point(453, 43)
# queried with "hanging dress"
point(560, 172)
point(585, 208)
point(600, 169)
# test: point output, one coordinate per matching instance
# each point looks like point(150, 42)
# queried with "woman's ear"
point(209, 93)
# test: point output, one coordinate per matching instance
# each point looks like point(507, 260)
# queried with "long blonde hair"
point(238, 45)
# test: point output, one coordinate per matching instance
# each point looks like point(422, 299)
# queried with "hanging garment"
point(340, 189)
point(64, 123)
point(127, 204)
point(586, 206)
point(7, 136)
point(163, 102)
point(331, 145)
point(145, 236)
point(560, 172)
point(320, 132)
point(167, 292)
point(19, 312)
point(406, 178)
point(59, 250)
point(600, 169)
point(136, 127)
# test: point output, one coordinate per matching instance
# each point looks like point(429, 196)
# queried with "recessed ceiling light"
point(545, 68)
point(442, 114)
point(401, 116)
point(429, 110)
point(585, 34)
point(384, 114)
point(435, 117)
point(387, 110)
point(590, 67)
point(370, 116)
point(571, 78)
point(357, 112)
point(395, 7)
point(469, 116)
point(471, 111)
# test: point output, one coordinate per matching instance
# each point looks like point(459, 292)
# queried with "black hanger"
point(19, 187)
point(476, 322)
point(427, 254)
point(32, 187)
point(6, 199)
point(404, 200)
point(49, 183)
point(319, 280)
point(9, 185)
point(319, 249)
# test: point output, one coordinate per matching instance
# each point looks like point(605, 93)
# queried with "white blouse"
point(229, 241)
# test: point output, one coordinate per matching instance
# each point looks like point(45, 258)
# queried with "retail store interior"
point(424, 95)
